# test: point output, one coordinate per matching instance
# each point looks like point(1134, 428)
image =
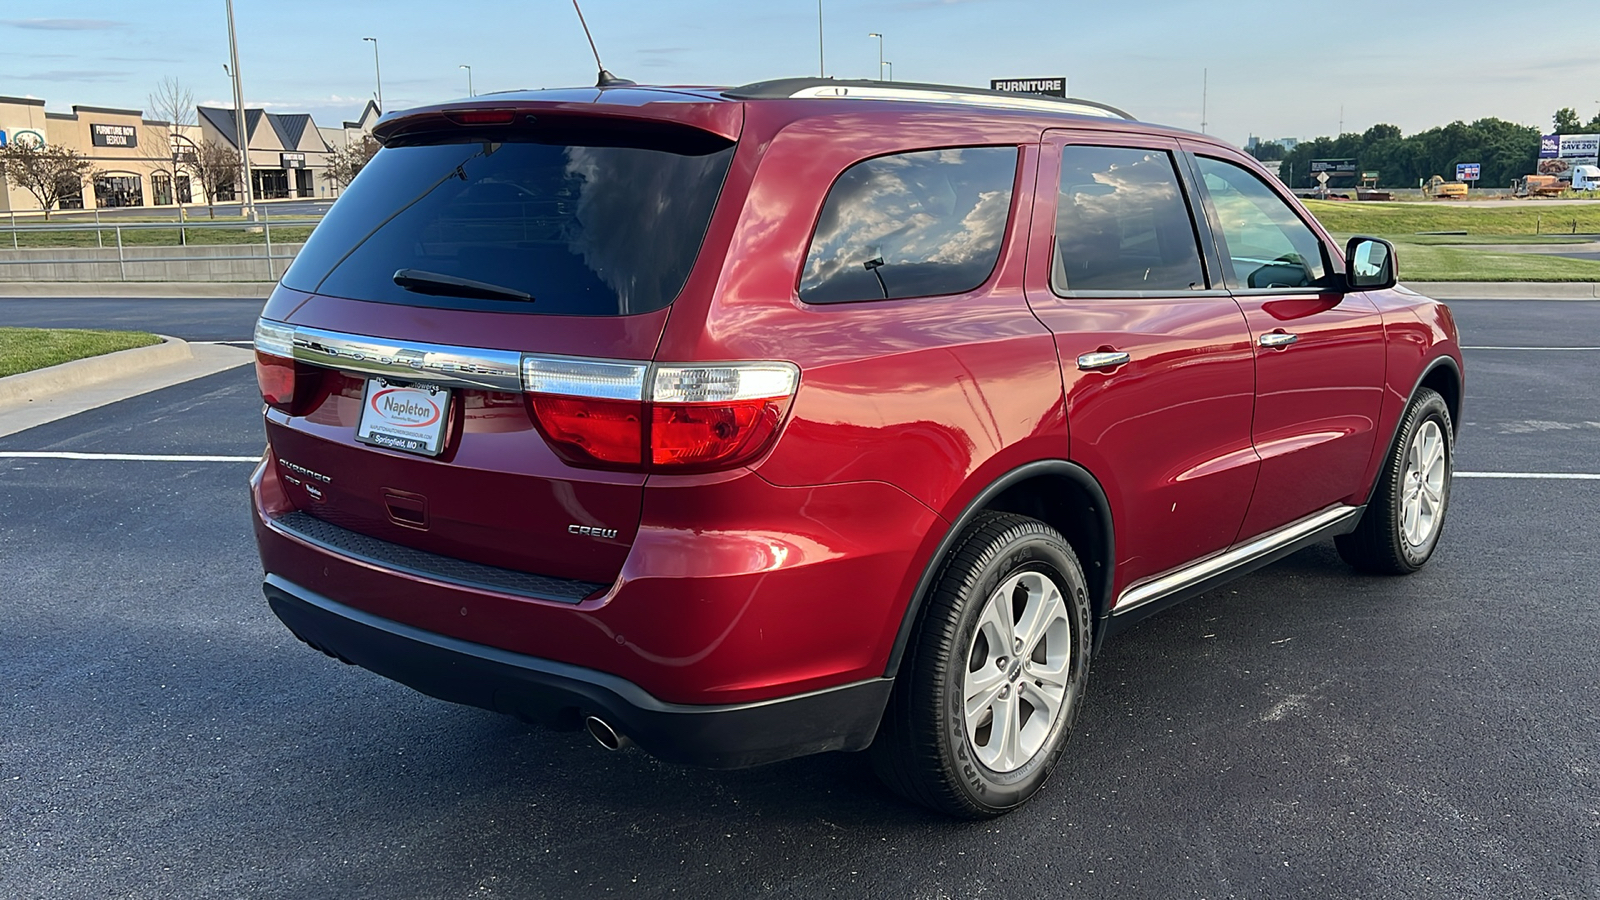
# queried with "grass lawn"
point(155, 237)
point(26, 349)
point(1534, 217)
point(1434, 262)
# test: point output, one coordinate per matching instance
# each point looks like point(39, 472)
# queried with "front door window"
point(1266, 245)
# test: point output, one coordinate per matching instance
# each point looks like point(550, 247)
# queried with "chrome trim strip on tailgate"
point(1242, 555)
point(442, 364)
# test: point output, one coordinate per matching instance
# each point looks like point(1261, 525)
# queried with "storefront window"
point(185, 195)
point(71, 194)
point(118, 190)
point(271, 184)
point(161, 189)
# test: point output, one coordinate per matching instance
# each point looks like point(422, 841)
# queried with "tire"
point(929, 749)
point(1401, 527)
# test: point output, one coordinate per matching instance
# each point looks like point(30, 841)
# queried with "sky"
point(1273, 69)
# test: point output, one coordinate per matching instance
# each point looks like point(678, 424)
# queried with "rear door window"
point(582, 230)
point(911, 225)
point(1122, 224)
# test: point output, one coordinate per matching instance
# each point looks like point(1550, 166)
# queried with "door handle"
point(1102, 359)
point(1278, 339)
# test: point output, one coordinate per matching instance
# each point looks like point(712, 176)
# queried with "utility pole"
point(1341, 120)
point(1205, 91)
point(238, 120)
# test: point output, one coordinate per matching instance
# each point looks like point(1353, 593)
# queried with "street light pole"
point(880, 52)
point(822, 62)
point(891, 69)
point(377, 69)
point(469, 80)
point(238, 120)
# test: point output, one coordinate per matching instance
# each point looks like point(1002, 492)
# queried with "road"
point(1302, 732)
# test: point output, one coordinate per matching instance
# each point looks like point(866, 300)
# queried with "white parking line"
point(122, 457)
point(1538, 476)
point(1530, 348)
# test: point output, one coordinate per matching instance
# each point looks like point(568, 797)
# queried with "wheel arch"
point(1443, 376)
point(1063, 495)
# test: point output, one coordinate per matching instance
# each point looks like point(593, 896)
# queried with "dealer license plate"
point(404, 417)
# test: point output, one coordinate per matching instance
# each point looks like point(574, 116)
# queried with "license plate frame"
point(410, 417)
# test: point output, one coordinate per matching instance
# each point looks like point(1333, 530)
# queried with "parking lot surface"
point(1302, 732)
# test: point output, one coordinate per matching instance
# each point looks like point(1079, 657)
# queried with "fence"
point(113, 258)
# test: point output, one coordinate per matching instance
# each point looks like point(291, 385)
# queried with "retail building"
point(133, 156)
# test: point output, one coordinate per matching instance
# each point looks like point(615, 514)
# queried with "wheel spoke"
point(1042, 611)
point(981, 688)
point(996, 623)
point(1003, 735)
point(1045, 700)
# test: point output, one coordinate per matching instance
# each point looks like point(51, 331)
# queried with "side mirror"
point(1369, 264)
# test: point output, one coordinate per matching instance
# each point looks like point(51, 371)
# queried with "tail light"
point(281, 379)
point(692, 418)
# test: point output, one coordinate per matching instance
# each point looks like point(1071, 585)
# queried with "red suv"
point(820, 415)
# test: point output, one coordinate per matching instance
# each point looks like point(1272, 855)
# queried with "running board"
point(1268, 548)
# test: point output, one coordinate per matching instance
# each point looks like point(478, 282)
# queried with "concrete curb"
point(81, 373)
point(1506, 290)
point(176, 290)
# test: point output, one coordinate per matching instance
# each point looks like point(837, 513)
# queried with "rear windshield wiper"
point(418, 281)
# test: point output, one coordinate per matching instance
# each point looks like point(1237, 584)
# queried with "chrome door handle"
point(1278, 339)
point(1102, 360)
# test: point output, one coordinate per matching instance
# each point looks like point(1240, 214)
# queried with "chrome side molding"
point(1257, 552)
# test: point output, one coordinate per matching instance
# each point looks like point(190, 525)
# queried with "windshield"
point(583, 230)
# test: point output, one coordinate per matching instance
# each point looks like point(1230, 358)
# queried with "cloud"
point(74, 75)
point(64, 24)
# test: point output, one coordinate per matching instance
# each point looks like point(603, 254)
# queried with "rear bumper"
point(559, 695)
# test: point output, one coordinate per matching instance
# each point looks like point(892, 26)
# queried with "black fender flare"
point(1057, 467)
point(1455, 426)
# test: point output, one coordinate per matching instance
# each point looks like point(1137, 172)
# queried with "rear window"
point(911, 225)
point(583, 230)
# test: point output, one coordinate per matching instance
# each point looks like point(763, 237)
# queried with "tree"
point(1566, 120)
point(1268, 150)
point(217, 166)
point(167, 151)
point(48, 173)
point(346, 162)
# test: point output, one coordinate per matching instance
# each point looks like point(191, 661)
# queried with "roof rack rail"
point(856, 89)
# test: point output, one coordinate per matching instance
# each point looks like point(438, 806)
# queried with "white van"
point(1586, 178)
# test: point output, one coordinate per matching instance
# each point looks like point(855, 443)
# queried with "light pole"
point(822, 61)
point(469, 79)
point(238, 120)
point(880, 52)
point(891, 69)
point(378, 69)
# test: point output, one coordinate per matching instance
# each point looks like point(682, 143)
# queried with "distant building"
point(128, 152)
point(287, 151)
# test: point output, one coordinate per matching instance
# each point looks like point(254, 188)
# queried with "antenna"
point(606, 79)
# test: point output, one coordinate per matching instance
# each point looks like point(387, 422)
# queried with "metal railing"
point(265, 224)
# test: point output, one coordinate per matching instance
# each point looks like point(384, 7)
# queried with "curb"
point(1506, 290)
point(81, 373)
point(174, 290)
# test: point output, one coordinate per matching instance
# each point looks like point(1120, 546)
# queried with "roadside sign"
point(1467, 171)
point(1050, 87)
point(1322, 178)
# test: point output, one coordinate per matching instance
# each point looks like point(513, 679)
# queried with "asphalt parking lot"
point(1303, 732)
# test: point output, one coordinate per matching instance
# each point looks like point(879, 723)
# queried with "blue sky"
point(1275, 68)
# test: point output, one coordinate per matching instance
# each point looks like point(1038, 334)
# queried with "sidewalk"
point(45, 395)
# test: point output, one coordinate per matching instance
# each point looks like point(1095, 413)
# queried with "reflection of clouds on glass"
point(623, 196)
point(919, 209)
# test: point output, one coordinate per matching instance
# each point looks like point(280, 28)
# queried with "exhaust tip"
point(604, 734)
